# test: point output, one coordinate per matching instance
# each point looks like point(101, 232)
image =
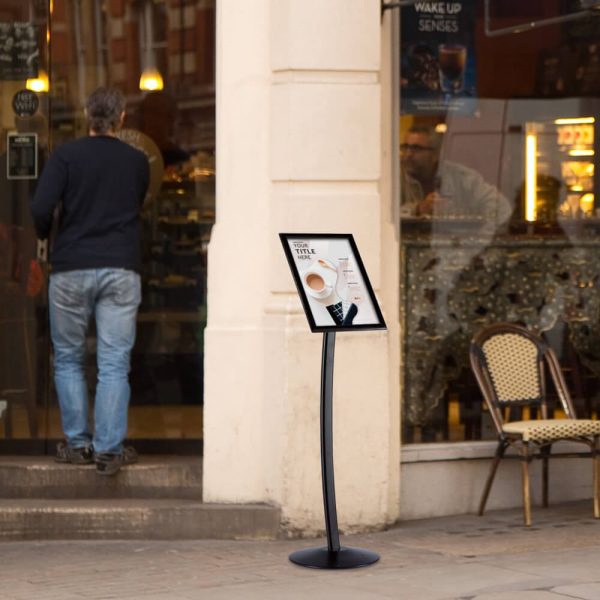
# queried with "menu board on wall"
point(19, 51)
point(21, 156)
point(437, 57)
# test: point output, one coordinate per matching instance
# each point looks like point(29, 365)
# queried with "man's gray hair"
point(104, 108)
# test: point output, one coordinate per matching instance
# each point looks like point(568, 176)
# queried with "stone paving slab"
point(587, 591)
point(436, 559)
point(537, 595)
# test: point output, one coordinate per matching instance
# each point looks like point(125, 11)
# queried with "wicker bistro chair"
point(509, 363)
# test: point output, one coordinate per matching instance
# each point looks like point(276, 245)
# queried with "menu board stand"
point(332, 556)
point(336, 295)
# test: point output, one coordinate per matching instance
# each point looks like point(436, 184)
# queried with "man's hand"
point(433, 203)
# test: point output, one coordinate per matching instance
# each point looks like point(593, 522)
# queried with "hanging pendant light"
point(151, 80)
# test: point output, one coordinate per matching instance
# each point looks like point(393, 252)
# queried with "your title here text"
point(303, 250)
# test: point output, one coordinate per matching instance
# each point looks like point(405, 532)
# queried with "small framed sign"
point(21, 156)
point(332, 282)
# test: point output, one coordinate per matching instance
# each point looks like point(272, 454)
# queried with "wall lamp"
point(588, 7)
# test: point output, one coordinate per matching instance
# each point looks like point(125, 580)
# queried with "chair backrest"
point(509, 363)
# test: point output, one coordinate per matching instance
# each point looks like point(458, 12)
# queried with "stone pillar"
point(299, 149)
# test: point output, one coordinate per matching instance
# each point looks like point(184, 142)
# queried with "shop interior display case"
point(561, 154)
point(541, 268)
point(550, 154)
point(167, 363)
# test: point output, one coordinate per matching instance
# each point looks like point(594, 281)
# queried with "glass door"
point(160, 54)
point(25, 419)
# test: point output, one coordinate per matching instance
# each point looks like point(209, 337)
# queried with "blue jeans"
point(113, 297)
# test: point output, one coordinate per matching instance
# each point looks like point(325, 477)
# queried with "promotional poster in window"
point(332, 282)
point(437, 57)
point(19, 52)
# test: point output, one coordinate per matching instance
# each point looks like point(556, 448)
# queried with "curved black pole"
point(333, 556)
point(331, 525)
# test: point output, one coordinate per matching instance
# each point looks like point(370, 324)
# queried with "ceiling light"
point(574, 121)
point(151, 80)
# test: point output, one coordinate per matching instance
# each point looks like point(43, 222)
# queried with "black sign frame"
point(357, 282)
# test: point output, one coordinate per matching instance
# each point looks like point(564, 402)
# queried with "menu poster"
point(332, 282)
point(437, 57)
point(19, 52)
point(21, 156)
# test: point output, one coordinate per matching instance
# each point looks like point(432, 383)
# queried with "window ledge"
point(411, 453)
point(434, 452)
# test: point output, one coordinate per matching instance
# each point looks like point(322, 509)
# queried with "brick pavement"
point(459, 558)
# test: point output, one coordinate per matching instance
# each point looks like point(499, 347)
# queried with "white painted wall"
point(299, 148)
point(448, 479)
point(305, 142)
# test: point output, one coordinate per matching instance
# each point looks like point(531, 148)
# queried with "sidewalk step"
point(132, 519)
point(153, 477)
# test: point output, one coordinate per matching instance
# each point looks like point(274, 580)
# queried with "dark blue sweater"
point(99, 184)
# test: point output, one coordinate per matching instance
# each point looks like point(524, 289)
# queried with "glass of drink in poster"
point(452, 60)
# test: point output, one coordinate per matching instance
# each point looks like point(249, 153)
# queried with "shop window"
point(498, 208)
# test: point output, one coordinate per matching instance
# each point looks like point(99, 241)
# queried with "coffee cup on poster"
point(315, 284)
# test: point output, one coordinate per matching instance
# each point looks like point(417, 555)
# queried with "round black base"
point(345, 558)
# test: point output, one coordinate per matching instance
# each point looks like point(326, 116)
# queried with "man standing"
point(98, 184)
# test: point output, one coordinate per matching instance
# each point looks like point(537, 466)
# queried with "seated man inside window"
point(431, 187)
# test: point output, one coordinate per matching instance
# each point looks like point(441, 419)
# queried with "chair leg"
point(596, 479)
point(545, 451)
point(488, 484)
point(525, 458)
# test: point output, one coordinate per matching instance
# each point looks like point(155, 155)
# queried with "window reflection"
point(498, 217)
point(112, 43)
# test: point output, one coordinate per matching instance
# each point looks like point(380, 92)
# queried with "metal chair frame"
point(534, 449)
